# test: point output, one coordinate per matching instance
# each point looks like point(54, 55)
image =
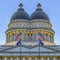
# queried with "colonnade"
point(30, 58)
point(49, 36)
point(9, 58)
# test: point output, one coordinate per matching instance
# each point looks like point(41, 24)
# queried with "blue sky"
point(8, 7)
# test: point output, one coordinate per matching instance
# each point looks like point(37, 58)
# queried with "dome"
point(20, 14)
point(39, 14)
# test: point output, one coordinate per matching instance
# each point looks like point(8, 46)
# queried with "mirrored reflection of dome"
point(30, 27)
point(39, 14)
point(20, 14)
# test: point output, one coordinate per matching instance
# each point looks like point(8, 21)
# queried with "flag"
point(41, 36)
point(18, 36)
point(19, 42)
point(40, 42)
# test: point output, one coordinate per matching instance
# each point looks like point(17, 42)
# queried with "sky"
point(50, 7)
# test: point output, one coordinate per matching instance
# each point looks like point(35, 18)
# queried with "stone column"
point(11, 37)
point(25, 36)
point(28, 37)
point(17, 58)
point(54, 58)
point(47, 37)
point(33, 37)
point(35, 58)
point(8, 38)
point(29, 58)
point(14, 36)
point(41, 58)
point(48, 58)
point(11, 58)
point(44, 36)
point(5, 58)
point(23, 58)
point(52, 38)
point(36, 37)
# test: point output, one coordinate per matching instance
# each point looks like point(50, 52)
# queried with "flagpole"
point(19, 42)
point(40, 42)
point(39, 50)
point(20, 49)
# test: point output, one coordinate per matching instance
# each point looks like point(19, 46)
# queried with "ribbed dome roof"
point(20, 14)
point(39, 14)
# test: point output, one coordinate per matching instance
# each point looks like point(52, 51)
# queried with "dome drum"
point(10, 35)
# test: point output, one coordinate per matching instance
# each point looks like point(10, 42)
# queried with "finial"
point(20, 6)
point(38, 7)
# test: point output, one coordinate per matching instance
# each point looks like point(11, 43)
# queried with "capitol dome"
point(39, 14)
point(29, 28)
point(20, 14)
